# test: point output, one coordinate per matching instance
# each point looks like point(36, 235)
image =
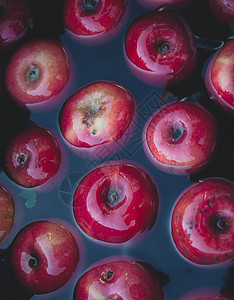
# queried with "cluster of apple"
point(116, 201)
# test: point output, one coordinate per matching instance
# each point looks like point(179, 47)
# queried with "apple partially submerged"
point(33, 157)
point(160, 48)
point(219, 77)
point(15, 20)
point(98, 113)
point(37, 71)
point(7, 212)
point(118, 280)
point(180, 137)
point(93, 20)
point(202, 222)
point(115, 202)
point(44, 255)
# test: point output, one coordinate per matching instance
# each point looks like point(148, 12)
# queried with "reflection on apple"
point(33, 157)
point(44, 256)
point(116, 202)
point(94, 21)
point(120, 278)
point(219, 77)
point(202, 222)
point(160, 48)
point(180, 137)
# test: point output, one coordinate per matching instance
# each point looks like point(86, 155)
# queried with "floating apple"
point(98, 113)
point(33, 157)
point(38, 71)
point(7, 211)
point(44, 256)
point(180, 137)
point(160, 48)
point(202, 222)
point(93, 20)
point(15, 20)
point(204, 293)
point(219, 77)
point(118, 279)
point(115, 202)
point(223, 10)
point(156, 4)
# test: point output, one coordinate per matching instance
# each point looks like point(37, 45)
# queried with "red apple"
point(118, 280)
point(115, 202)
point(15, 20)
point(204, 293)
point(44, 256)
point(7, 211)
point(180, 137)
point(156, 4)
point(223, 10)
point(33, 157)
point(202, 222)
point(37, 71)
point(160, 48)
point(219, 77)
point(98, 113)
point(91, 20)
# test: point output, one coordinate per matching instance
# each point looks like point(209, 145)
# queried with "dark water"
point(106, 62)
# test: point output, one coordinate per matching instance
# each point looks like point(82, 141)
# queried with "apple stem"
point(33, 262)
point(222, 224)
point(90, 5)
point(32, 74)
point(177, 131)
point(208, 44)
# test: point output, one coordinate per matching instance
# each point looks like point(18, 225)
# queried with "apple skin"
point(223, 11)
point(33, 157)
point(98, 113)
point(99, 20)
point(160, 48)
point(44, 255)
point(180, 137)
point(219, 77)
point(156, 4)
point(119, 279)
point(7, 212)
point(15, 21)
point(37, 71)
point(202, 222)
point(115, 202)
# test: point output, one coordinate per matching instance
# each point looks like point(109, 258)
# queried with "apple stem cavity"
point(32, 74)
point(164, 46)
point(177, 132)
point(90, 5)
point(222, 224)
point(22, 158)
point(33, 262)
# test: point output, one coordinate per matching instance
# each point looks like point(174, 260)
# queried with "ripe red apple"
point(44, 255)
point(180, 137)
point(38, 71)
point(7, 212)
point(156, 4)
point(115, 202)
point(202, 222)
point(160, 48)
point(15, 20)
point(93, 20)
point(33, 157)
point(98, 113)
point(223, 10)
point(118, 280)
point(219, 77)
